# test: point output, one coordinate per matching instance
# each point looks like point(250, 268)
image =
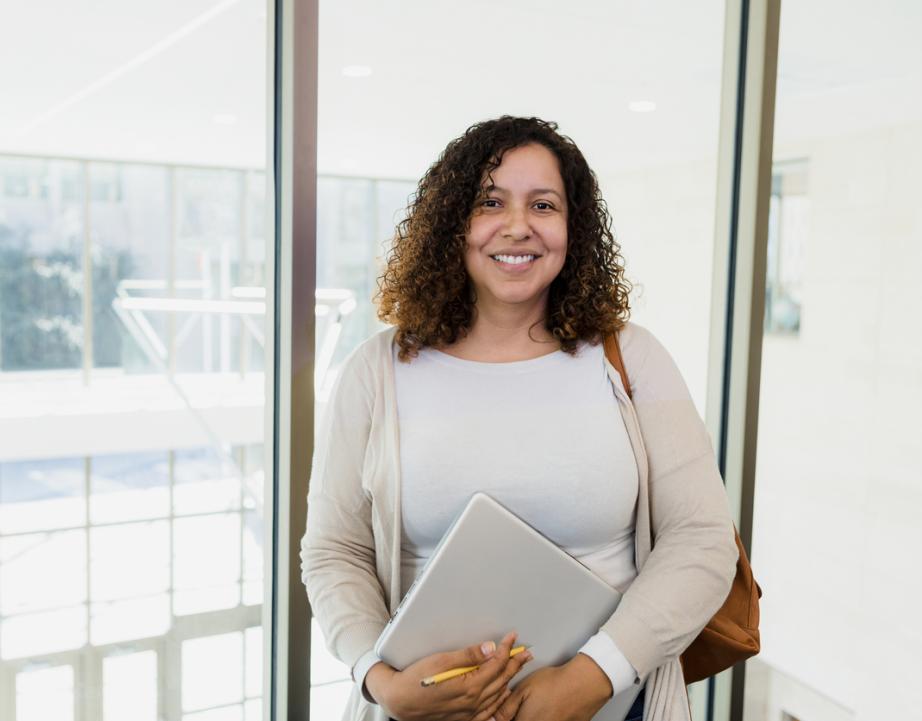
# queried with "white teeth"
point(514, 259)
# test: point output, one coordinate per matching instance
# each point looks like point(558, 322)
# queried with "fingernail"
point(528, 656)
point(488, 647)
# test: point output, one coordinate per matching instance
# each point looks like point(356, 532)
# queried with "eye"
point(543, 205)
point(489, 203)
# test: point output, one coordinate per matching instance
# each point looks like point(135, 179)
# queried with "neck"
point(505, 333)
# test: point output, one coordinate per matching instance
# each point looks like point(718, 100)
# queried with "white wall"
point(837, 538)
point(664, 220)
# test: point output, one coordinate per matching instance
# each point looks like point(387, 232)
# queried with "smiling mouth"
point(514, 259)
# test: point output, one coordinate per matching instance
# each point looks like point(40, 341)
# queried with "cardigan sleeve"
point(688, 574)
point(338, 550)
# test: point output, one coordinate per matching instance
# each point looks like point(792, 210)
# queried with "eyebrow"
point(536, 191)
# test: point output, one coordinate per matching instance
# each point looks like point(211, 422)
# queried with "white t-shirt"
point(544, 437)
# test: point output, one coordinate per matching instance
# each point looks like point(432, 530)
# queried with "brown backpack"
point(732, 635)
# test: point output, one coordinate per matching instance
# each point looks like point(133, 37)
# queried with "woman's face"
point(517, 240)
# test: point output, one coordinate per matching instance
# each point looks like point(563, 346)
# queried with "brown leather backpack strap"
point(613, 353)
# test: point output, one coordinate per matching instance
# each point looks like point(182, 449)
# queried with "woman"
point(501, 284)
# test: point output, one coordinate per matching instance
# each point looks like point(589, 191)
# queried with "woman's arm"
point(338, 562)
point(687, 576)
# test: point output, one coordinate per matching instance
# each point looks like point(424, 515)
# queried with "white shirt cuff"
point(361, 669)
point(602, 649)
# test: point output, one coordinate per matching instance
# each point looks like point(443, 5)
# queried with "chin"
point(518, 298)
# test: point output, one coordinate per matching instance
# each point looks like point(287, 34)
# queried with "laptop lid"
point(493, 573)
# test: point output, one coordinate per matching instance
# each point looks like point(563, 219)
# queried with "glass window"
point(45, 694)
point(206, 563)
point(42, 571)
point(129, 684)
point(130, 215)
point(837, 490)
point(133, 232)
point(212, 669)
point(46, 632)
point(42, 233)
point(130, 581)
point(130, 486)
point(205, 480)
point(42, 494)
point(788, 230)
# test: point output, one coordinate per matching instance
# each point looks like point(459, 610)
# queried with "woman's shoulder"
point(377, 346)
point(367, 363)
point(649, 365)
point(636, 343)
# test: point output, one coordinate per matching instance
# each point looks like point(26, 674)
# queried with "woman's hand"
point(572, 692)
point(475, 696)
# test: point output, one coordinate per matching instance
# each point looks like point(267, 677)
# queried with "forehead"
point(528, 165)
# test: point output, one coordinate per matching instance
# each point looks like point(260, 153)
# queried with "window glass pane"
point(328, 701)
point(145, 617)
point(209, 239)
point(212, 671)
point(205, 481)
point(42, 571)
point(130, 560)
point(228, 713)
point(45, 694)
point(129, 486)
point(252, 559)
point(42, 494)
point(130, 687)
point(253, 710)
point(836, 534)
point(130, 581)
point(325, 668)
point(254, 671)
point(133, 232)
point(130, 215)
point(42, 232)
point(206, 563)
point(33, 634)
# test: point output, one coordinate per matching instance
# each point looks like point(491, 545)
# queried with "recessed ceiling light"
point(641, 106)
point(356, 71)
point(224, 119)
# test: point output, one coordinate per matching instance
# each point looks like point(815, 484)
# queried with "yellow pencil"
point(455, 672)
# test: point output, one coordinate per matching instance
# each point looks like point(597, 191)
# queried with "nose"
point(516, 225)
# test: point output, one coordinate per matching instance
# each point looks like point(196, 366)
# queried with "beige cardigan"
point(350, 554)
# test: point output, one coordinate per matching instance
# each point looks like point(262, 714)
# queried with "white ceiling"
point(144, 81)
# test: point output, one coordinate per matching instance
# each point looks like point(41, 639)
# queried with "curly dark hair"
point(425, 290)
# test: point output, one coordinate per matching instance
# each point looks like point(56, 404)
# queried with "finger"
point(509, 708)
point(514, 665)
point(475, 655)
point(494, 666)
point(489, 710)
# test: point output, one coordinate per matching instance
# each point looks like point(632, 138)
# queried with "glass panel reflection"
point(42, 228)
point(45, 694)
point(42, 571)
point(205, 481)
point(129, 684)
point(41, 495)
point(212, 672)
point(837, 489)
point(34, 634)
point(133, 227)
point(131, 486)
point(206, 563)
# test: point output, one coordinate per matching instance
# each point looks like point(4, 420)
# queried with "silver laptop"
point(492, 573)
